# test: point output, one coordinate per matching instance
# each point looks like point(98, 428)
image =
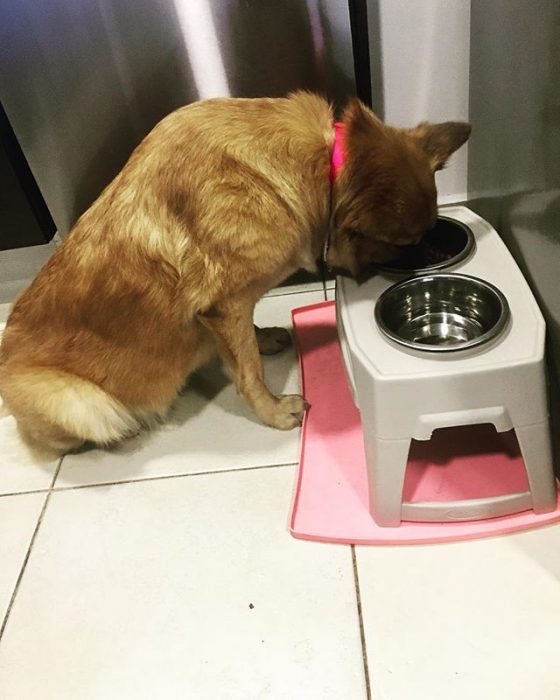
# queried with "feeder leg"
point(534, 441)
point(386, 462)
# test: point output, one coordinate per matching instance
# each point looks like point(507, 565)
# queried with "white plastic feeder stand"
point(404, 394)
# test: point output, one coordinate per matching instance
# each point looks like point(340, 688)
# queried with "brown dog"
point(219, 203)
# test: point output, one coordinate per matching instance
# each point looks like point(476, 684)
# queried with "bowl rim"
point(443, 265)
point(486, 337)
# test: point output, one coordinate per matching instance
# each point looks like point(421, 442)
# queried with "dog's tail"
point(57, 411)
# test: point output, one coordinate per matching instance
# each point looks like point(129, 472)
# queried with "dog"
point(221, 201)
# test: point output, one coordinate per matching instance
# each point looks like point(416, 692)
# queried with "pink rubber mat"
point(331, 498)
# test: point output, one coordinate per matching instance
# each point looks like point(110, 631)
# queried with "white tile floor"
point(165, 569)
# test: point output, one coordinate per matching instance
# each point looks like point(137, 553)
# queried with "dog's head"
point(385, 195)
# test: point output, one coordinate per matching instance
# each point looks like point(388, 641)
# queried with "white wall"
point(514, 157)
point(423, 64)
point(514, 97)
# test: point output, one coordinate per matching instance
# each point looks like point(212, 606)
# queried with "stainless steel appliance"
point(83, 81)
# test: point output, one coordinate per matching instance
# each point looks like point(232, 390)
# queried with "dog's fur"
point(220, 202)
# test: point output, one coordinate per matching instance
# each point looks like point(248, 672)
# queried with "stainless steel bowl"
point(447, 244)
point(442, 313)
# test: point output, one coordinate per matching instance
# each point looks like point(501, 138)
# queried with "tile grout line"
point(361, 621)
point(58, 489)
point(275, 295)
point(28, 553)
point(321, 288)
point(24, 493)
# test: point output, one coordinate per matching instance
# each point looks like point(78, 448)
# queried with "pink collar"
point(337, 157)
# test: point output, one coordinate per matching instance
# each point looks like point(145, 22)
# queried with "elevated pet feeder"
point(461, 342)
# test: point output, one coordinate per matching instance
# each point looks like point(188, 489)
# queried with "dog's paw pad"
point(272, 340)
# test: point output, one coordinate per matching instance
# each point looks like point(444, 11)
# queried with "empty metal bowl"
point(442, 313)
point(447, 244)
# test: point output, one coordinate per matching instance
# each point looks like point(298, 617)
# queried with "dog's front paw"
point(272, 340)
point(289, 412)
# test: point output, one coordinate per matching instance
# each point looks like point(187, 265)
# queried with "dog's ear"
point(439, 141)
point(359, 118)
